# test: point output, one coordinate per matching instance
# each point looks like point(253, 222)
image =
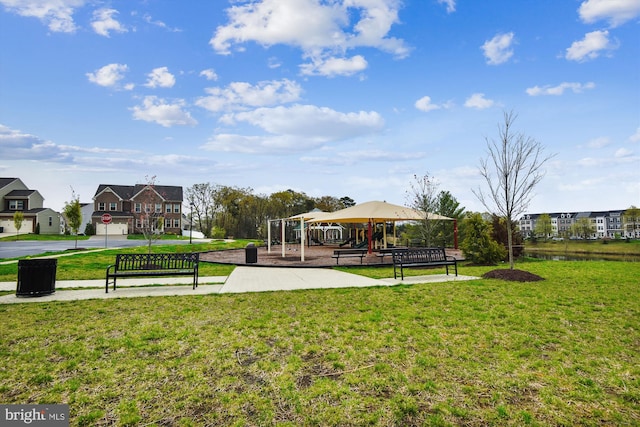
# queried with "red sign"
point(106, 218)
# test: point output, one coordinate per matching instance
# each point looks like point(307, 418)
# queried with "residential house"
point(16, 196)
point(132, 207)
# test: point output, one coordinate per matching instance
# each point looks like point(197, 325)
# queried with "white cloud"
point(617, 12)
point(589, 47)
point(498, 50)
point(424, 104)
point(330, 32)
point(103, 22)
point(160, 77)
point(56, 14)
point(623, 152)
point(240, 95)
point(599, 142)
point(310, 120)
point(295, 128)
point(635, 137)
point(335, 66)
point(16, 145)
point(157, 110)
point(559, 89)
point(109, 76)
point(209, 74)
point(451, 5)
point(147, 18)
point(478, 101)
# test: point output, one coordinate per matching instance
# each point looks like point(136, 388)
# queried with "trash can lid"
point(250, 245)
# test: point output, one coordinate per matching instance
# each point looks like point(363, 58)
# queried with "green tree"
point(347, 202)
point(328, 204)
point(583, 228)
point(631, 219)
point(478, 246)
point(544, 227)
point(72, 213)
point(512, 170)
point(18, 218)
point(448, 206)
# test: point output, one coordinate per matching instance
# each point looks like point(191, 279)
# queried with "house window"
point(101, 206)
point(176, 223)
point(16, 205)
point(138, 209)
point(167, 208)
point(50, 221)
point(158, 208)
point(176, 208)
point(113, 206)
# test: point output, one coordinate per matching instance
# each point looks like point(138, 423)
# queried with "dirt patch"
point(512, 275)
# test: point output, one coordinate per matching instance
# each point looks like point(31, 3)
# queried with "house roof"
point(6, 181)
point(127, 192)
point(19, 193)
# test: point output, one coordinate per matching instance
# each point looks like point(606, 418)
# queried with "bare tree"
point(150, 219)
point(424, 197)
point(512, 169)
point(201, 199)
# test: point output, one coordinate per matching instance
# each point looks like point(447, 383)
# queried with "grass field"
point(564, 351)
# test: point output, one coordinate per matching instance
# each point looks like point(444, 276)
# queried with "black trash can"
point(251, 254)
point(36, 277)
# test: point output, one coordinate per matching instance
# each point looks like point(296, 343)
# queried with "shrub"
point(478, 246)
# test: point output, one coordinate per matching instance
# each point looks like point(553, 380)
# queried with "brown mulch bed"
point(512, 275)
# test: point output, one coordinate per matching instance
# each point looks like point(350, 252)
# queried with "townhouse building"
point(605, 224)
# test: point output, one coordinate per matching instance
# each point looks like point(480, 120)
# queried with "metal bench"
point(422, 257)
point(349, 253)
point(153, 265)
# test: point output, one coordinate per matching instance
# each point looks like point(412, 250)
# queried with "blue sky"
point(326, 97)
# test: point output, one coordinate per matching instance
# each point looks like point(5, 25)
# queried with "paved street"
point(20, 248)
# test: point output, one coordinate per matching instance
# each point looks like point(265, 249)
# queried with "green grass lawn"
point(564, 351)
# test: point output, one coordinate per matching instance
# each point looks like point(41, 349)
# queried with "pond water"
point(554, 256)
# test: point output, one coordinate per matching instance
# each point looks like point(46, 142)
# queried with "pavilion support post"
point(455, 234)
point(282, 241)
point(302, 233)
point(384, 234)
point(369, 237)
point(268, 236)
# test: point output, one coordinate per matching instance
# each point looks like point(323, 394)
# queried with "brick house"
point(16, 196)
point(133, 207)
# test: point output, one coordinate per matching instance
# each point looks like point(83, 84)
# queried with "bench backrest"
point(416, 255)
point(173, 261)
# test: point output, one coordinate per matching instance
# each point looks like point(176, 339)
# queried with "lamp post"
point(191, 223)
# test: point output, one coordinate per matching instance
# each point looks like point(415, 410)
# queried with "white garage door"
point(114, 229)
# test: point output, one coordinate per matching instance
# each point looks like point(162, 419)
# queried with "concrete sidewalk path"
point(265, 279)
point(241, 280)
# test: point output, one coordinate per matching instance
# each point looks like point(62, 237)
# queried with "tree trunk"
point(510, 243)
